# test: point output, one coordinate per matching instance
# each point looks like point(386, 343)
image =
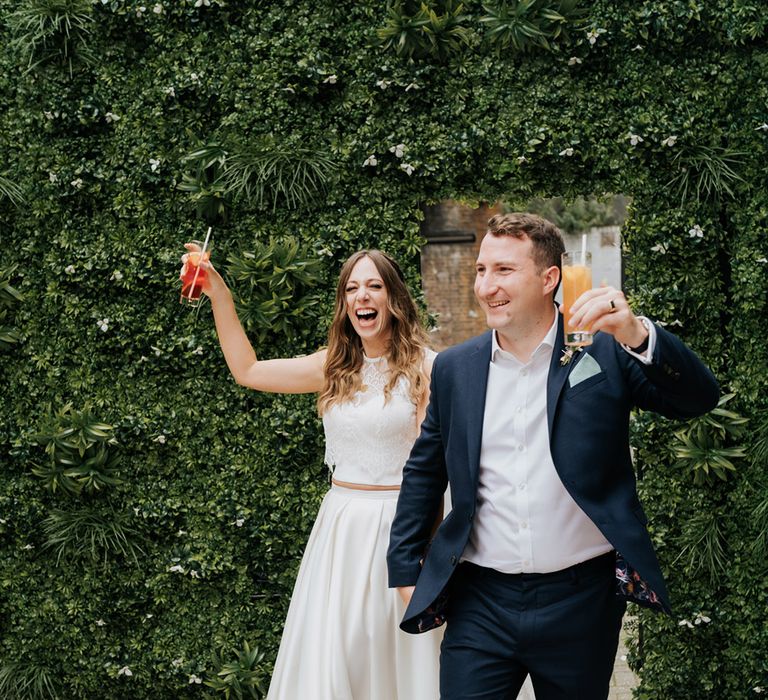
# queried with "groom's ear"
point(550, 278)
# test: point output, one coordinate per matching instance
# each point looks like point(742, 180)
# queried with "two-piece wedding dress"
point(341, 639)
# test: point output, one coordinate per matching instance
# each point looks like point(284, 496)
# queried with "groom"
point(546, 539)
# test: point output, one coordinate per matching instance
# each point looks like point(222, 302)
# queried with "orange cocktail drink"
point(577, 279)
point(193, 277)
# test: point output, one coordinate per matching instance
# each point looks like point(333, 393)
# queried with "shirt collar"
point(547, 343)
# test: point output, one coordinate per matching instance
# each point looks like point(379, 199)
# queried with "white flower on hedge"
point(100, 623)
point(240, 522)
point(758, 689)
point(634, 139)
point(160, 438)
point(566, 152)
point(70, 269)
point(177, 662)
point(696, 232)
point(685, 623)
point(762, 127)
point(28, 546)
point(407, 167)
point(53, 177)
point(662, 248)
point(383, 83)
point(701, 618)
point(200, 3)
point(48, 115)
point(574, 60)
point(77, 183)
point(762, 260)
point(158, 9)
point(111, 117)
point(140, 10)
point(194, 574)
point(181, 533)
point(170, 90)
point(197, 351)
point(669, 141)
point(125, 671)
point(117, 276)
point(176, 569)
point(593, 34)
point(331, 80)
point(195, 679)
point(370, 161)
point(412, 86)
point(638, 47)
point(398, 150)
point(103, 324)
point(154, 164)
point(157, 350)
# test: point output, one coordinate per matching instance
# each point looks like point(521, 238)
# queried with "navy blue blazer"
point(589, 442)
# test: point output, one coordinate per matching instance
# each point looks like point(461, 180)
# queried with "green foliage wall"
point(663, 101)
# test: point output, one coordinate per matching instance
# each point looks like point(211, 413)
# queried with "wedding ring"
point(613, 306)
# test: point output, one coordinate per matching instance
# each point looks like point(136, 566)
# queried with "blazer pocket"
point(582, 386)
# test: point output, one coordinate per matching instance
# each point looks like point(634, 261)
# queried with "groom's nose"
point(483, 286)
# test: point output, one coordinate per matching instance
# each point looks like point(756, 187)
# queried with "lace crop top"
point(368, 440)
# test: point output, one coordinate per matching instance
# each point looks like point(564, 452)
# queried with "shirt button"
point(523, 372)
point(521, 448)
point(524, 525)
point(519, 409)
point(526, 563)
point(521, 487)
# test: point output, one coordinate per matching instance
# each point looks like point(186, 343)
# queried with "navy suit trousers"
point(562, 628)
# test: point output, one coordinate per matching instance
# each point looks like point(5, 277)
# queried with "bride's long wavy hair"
point(408, 338)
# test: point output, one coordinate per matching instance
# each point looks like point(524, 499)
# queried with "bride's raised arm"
point(296, 375)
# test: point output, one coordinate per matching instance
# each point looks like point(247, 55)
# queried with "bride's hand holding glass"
point(209, 281)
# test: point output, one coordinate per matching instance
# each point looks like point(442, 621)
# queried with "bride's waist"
point(357, 486)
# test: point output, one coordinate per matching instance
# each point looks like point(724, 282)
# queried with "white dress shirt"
point(525, 520)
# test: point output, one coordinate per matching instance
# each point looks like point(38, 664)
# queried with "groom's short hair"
point(547, 239)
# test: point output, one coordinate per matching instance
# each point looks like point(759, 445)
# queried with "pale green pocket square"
point(587, 367)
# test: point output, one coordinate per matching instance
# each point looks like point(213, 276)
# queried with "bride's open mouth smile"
point(366, 317)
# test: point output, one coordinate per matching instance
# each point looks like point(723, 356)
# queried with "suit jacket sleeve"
point(676, 384)
point(423, 485)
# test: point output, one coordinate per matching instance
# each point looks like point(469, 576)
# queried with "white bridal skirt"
point(341, 639)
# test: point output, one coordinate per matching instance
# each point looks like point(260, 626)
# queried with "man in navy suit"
point(546, 539)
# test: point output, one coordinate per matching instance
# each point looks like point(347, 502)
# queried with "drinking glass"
point(577, 279)
point(194, 276)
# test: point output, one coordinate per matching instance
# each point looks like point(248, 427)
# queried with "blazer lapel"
point(475, 390)
point(557, 374)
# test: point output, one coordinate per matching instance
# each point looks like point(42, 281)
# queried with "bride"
point(341, 639)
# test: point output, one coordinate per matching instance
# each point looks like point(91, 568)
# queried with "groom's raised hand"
point(606, 309)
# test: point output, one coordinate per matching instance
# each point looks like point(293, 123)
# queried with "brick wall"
point(454, 232)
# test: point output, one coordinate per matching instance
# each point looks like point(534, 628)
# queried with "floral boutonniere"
point(569, 353)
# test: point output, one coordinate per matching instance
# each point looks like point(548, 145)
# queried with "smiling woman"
point(341, 636)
